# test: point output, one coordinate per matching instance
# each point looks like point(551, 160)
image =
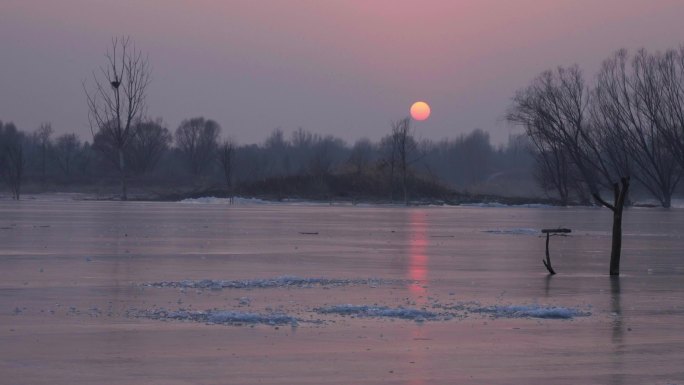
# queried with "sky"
point(342, 67)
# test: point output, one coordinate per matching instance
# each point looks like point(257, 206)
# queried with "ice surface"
point(634, 335)
point(282, 281)
point(225, 317)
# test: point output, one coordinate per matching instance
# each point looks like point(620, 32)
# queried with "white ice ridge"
point(224, 317)
point(458, 311)
point(282, 281)
point(251, 201)
point(226, 201)
point(517, 231)
point(531, 311)
point(497, 204)
point(380, 311)
point(449, 312)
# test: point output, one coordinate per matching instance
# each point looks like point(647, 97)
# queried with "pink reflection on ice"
point(418, 260)
point(418, 273)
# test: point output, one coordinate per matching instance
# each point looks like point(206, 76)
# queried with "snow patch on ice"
point(517, 231)
point(53, 197)
point(256, 201)
point(499, 205)
point(532, 311)
point(379, 311)
point(283, 281)
point(223, 317)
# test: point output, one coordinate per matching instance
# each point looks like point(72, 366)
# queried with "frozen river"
point(177, 293)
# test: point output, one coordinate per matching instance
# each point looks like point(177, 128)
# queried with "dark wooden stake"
point(548, 232)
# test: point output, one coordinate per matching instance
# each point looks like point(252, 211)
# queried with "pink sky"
point(334, 67)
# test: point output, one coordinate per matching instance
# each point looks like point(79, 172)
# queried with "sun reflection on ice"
point(418, 260)
point(418, 273)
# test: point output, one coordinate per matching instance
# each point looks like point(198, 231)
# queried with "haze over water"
point(345, 68)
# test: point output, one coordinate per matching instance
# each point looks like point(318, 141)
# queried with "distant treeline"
point(581, 140)
point(195, 158)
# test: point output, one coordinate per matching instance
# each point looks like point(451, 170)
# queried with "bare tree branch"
point(116, 99)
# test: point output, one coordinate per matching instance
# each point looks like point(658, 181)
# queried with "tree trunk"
point(616, 246)
point(391, 182)
point(403, 185)
point(667, 201)
point(406, 200)
point(122, 169)
point(42, 169)
point(620, 192)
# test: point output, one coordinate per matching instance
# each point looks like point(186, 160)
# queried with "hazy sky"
point(346, 68)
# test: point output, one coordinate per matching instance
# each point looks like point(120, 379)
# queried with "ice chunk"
point(225, 317)
point(282, 281)
point(533, 311)
point(379, 311)
point(515, 230)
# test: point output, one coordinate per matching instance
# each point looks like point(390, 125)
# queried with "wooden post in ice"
point(549, 232)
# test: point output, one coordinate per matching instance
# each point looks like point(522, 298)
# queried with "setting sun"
point(420, 110)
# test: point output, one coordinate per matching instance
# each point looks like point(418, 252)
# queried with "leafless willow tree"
point(361, 156)
point(278, 163)
point(226, 159)
point(628, 111)
point(324, 155)
point(197, 139)
point(554, 109)
point(65, 151)
point(388, 161)
point(42, 137)
point(670, 68)
point(149, 142)
point(12, 160)
point(116, 99)
point(553, 171)
point(406, 151)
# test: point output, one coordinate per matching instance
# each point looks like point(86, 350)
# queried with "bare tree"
point(65, 151)
point(553, 171)
point(406, 151)
point(12, 160)
point(278, 159)
point(361, 156)
point(628, 115)
point(298, 153)
point(324, 154)
point(671, 72)
point(554, 109)
point(149, 142)
point(475, 151)
point(389, 159)
point(42, 136)
point(117, 99)
point(226, 159)
point(197, 139)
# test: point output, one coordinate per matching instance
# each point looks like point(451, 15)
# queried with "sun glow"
point(420, 110)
